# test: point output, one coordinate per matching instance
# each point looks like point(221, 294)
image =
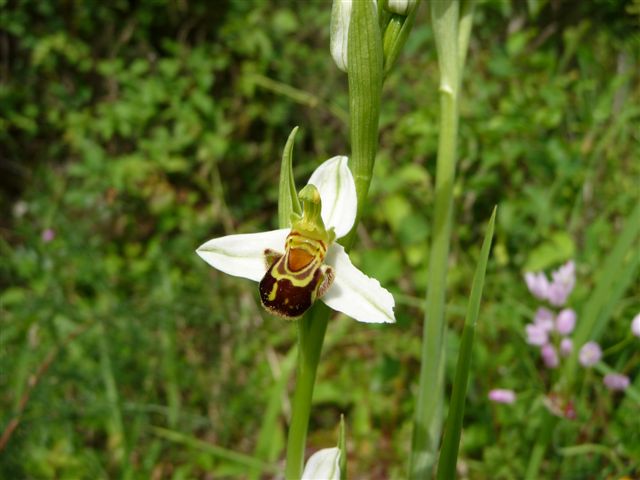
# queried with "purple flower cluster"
point(558, 289)
point(550, 331)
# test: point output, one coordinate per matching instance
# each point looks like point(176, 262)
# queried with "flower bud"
point(538, 284)
point(549, 356)
point(339, 31)
point(536, 335)
point(564, 279)
point(401, 7)
point(566, 347)
point(566, 321)
point(340, 18)
point(544, 319)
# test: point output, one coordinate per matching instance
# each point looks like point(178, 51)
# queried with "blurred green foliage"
point(138, 130)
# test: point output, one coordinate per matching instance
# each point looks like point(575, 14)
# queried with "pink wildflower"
point(549, 356)
point(590, 354)
point(566, 347)
point(566, 321)
point(502, 395)
point(538, 284)
point(564, 279)
point(544, 319)
point(48, 235)
point(616, 381)
point(536, 335)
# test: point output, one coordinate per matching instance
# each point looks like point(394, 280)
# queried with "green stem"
point(311, 331)
point(544, 437)
point(365, 61)
point(428, 421)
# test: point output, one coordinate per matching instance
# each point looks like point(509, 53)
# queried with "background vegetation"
point(131, 132)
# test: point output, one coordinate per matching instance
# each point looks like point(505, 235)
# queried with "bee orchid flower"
point(298, 265)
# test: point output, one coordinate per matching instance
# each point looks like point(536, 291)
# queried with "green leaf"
point(559, 248)
point(453, 429)
point(288, 196)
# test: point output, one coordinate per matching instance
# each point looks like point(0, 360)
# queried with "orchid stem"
point(311, 331)
point(365, 90)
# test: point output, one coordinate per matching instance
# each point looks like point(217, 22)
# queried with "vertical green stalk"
point(365, 60)
point(311, 331)
point(428, 422)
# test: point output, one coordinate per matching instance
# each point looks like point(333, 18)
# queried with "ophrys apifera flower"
point(298, 265)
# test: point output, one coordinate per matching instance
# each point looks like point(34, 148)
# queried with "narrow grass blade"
point(547, 426)
point(590, 449)
point(214, 450)
point(453, 428)
point(115, 424)
point(170, 368)
point(265, 449)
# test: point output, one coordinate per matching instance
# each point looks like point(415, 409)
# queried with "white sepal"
point(334, 181)
point(242, 255)
point(354, 294)
point(323, 465)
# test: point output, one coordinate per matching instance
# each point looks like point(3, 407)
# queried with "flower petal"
point(242, 255)
point(323, 465)
point(354, 294)
point(334, 181)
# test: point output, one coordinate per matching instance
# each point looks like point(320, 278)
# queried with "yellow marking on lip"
point(273, 293)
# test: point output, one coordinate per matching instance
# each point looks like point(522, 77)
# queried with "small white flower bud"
point(339, 31)
point(401, 7)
